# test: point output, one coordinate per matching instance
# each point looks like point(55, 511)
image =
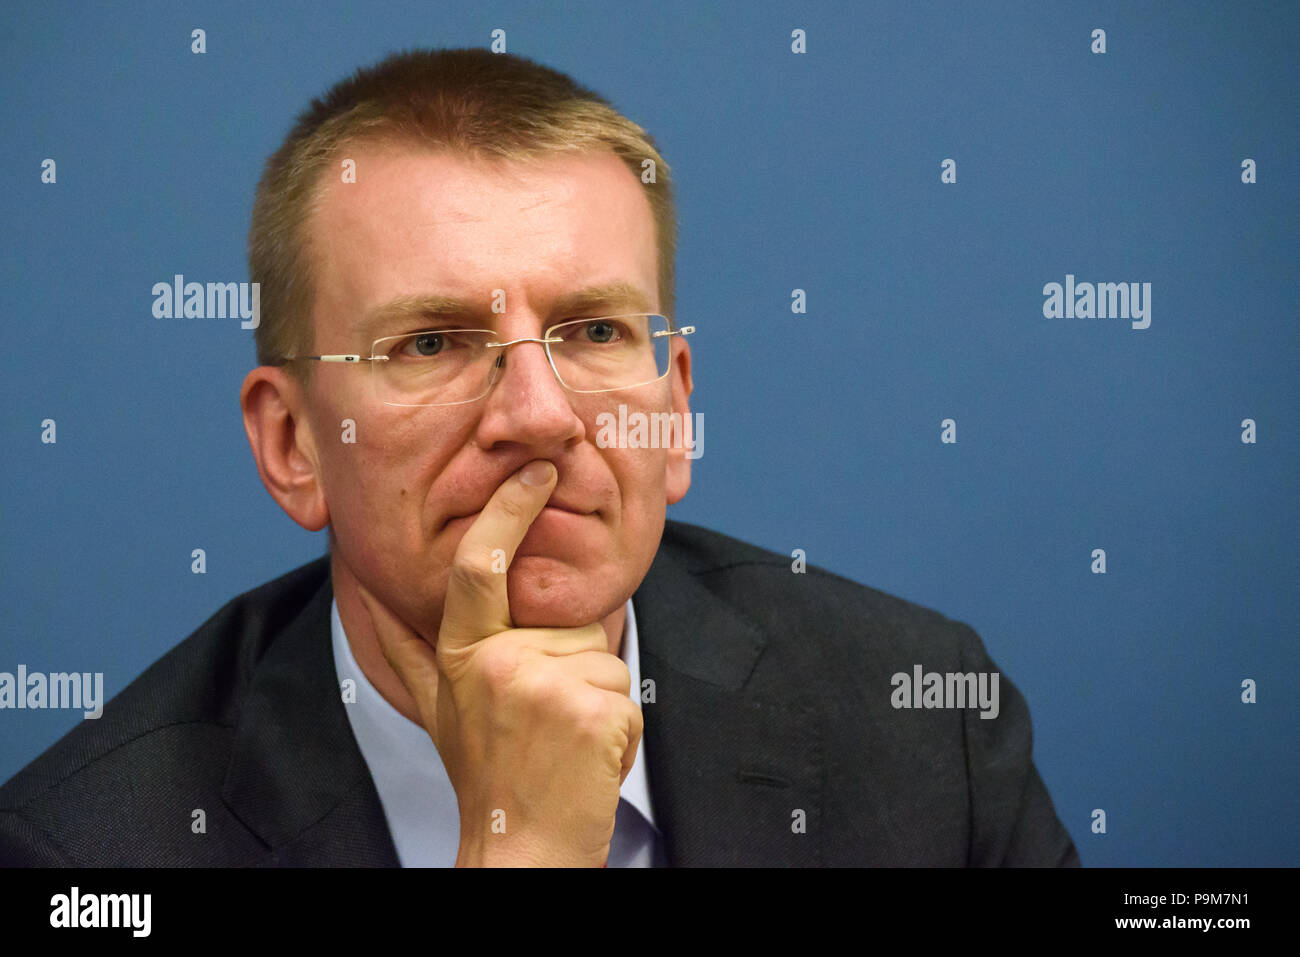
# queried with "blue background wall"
point(818, 171)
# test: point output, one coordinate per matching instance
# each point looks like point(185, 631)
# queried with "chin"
point(545, 593)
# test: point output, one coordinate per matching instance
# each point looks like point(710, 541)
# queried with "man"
point(509, 657)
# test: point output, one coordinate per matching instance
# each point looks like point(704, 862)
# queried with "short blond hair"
point(467, 101)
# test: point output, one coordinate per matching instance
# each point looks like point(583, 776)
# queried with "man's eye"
point(427, 344)
point(600, 330)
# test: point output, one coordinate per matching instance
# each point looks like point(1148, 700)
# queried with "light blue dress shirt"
point(418, 799)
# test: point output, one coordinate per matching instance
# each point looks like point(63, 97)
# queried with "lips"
point(576, 510)
point(560, 506)
point(571, 494)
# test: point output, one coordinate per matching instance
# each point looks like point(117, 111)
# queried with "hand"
point(534, 725)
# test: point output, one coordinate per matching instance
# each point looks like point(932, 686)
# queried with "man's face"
point(403, 494)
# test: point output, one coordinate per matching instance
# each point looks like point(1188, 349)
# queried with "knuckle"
point(590, 713)
point(471, 573)
point(511, 508)
point(536, 684)
point(500, 664)
point(635, 719)
point(624, 677)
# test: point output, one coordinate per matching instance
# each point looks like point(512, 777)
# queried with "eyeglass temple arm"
point(339, 358)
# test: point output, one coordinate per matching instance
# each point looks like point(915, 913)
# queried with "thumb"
point(477, 603)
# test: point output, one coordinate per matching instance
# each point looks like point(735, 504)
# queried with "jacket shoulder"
point(166, 735)
point(763, 586)
point(956, 786)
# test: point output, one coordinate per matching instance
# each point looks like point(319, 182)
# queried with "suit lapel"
point(735, 777)
point(297, 778)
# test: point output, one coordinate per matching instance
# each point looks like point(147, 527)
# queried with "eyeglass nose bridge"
point(503, 345)
point(496, 366)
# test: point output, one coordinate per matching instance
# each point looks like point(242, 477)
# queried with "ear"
point(279, 434)
point(678, 468)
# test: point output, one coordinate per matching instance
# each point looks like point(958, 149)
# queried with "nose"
point(527, 405)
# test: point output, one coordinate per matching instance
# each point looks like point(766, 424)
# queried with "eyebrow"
point(614, 297)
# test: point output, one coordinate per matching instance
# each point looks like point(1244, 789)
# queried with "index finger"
point(477, 603)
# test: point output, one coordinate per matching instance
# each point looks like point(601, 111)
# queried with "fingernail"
point(536, 473)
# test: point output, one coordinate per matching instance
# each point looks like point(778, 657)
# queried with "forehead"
point(419, 223)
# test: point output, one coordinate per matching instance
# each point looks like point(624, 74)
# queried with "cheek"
point(640, 477)
point(376, 472)
point(640, 473)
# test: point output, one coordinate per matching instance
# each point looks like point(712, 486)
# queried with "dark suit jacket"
point(772, 696)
